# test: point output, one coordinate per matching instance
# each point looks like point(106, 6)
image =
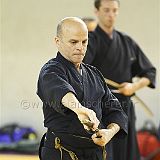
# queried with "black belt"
point(66, 142)
point(76, 141)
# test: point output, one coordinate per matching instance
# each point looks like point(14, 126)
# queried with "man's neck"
point(107, 30)
point(78, 66)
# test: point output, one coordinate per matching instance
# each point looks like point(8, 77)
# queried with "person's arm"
point(142, 82)
point(141, 66)
point(129, 89)
point(114, 128)
point(83, 113)
point(113, 117)
point(105, 135)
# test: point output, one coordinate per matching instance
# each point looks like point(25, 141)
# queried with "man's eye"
point(115, 11)
point(84, 42)
point(73, 42)
point(106, 10)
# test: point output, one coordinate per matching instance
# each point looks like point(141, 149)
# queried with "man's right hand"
point(85, 114)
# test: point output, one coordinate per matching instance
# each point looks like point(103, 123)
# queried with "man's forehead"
point(72, 37)
point(71, 27)
point(70, 24)
point(78, 38)
point(75, 32)
point(109, 2)
point(72, 20)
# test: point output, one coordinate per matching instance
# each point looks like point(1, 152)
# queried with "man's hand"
point(85, 114)
point(104, 136)
point(126, 89)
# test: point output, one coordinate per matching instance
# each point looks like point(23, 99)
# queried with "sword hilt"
point(90, 124)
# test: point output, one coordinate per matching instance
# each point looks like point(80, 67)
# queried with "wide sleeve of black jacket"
point(53, 85)
point(142, 67)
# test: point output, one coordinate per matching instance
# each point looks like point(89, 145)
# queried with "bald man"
point(79, 110)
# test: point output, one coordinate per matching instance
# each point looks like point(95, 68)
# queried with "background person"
point(119, 58)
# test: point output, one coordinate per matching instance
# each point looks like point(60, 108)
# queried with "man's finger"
point(115, 91)
point(94, 120)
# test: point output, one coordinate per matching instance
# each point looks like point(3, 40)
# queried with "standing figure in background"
point(80, 112)
point(90, 23)
point(119, 58)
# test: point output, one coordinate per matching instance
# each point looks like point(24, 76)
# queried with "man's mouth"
point(79, 54)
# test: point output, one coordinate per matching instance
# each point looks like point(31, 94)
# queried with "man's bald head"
point(72, 39)
point(68, 23)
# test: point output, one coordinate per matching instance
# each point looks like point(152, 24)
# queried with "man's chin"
point(78, 61)
point(79, 58)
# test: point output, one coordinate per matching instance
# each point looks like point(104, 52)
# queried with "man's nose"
point(111, 14)
point(80, 46)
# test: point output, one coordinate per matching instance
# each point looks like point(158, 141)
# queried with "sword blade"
point(147, 110)
point(112, 83)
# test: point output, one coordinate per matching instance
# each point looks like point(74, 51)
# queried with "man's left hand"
point(104, 136)
point(126, 89)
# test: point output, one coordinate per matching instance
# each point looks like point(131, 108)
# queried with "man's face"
point(73, 42)
point(107, 13)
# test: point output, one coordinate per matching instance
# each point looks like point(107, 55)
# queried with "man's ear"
point(56, 41)
point(95, 11)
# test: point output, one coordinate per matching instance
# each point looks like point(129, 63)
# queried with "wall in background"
point(28, 29)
